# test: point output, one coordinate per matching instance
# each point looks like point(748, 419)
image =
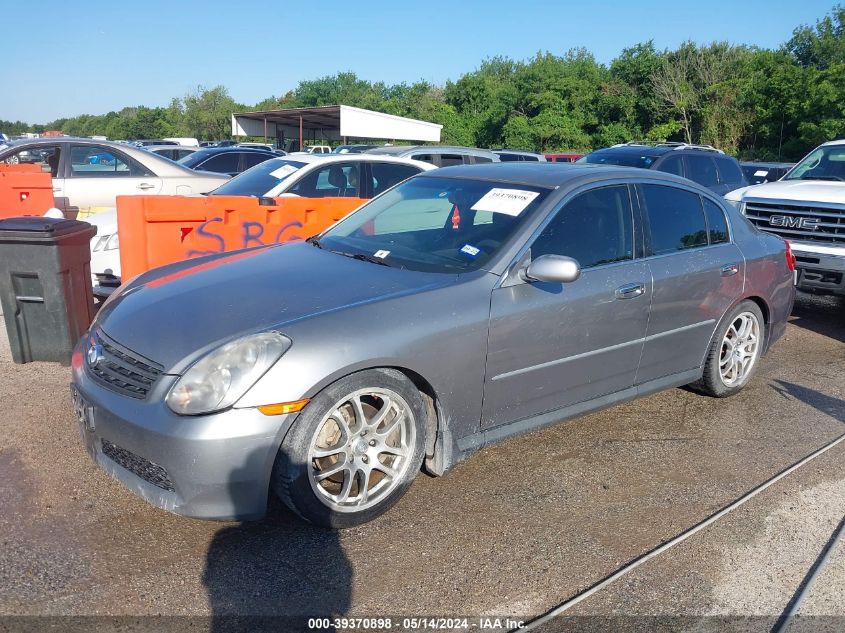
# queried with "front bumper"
point(819, 270)
point(210, 467)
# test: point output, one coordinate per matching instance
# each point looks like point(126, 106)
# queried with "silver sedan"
point(462, 307)
point(89, 175)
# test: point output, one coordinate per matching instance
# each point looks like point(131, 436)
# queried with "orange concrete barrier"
point(24, 190)
point(158, 230)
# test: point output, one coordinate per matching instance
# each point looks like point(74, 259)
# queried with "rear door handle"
point(729, 270)
point(145, 186)
point(629, 291)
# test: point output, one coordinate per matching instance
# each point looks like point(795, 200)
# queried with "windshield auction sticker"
point(507, 201)
point(283, 172)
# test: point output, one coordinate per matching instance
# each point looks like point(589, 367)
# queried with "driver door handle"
point(730, 269)
point(145, 186)
point(629, 291)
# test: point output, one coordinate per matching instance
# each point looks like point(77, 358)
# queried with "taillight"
point(790, 258)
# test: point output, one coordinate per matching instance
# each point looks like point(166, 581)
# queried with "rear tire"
point(734, 353)
point(354, 450)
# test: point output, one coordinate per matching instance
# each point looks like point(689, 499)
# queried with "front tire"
point(734, 353)
point(354, 450)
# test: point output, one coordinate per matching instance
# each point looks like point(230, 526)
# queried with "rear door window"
point(672, 165)
point(426, 158)
point(675, 219)
point(702, 169)
point(225, 163)
point(336, 180)
point(251, 160)
point(487, 159)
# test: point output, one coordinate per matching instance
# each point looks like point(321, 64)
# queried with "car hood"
point(174, 314)
point(105, 221)
point(825, 191)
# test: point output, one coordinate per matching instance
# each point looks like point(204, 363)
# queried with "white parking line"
point(608, 580)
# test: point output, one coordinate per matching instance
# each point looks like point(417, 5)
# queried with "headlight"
point(107, 243)
point(221, 378)
point(739, 205)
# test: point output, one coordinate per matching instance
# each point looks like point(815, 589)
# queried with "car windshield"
point(823, 163)
point(435, 224)
point(626, 159)
point(260, 180)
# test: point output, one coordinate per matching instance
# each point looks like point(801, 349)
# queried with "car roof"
point(523, 152)
point(840, 141)
point(150, 148)
point(433, 149)
point(754, 163)
point(345, 158)
point(211, 151)
point(639, 150)
point(552, 175)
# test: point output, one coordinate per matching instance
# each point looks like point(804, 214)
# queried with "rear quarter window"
point(717, 224)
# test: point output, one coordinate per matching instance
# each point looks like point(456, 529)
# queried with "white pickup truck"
point(806, 207)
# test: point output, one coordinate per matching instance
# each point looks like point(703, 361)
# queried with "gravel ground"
point(515, 530)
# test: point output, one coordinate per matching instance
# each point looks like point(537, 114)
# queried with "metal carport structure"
point(337, 122)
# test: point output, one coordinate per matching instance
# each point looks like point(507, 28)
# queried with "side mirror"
point(552, 268)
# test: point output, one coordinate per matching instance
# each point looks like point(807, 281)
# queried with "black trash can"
point(45, 286)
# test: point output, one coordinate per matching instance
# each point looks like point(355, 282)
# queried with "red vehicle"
point(563, 158)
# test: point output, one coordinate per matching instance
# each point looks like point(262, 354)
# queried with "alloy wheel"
point(362, 449)
point(740, 349)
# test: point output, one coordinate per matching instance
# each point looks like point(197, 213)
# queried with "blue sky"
point(64, 58)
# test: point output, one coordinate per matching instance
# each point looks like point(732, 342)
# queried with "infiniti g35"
point(459, 308)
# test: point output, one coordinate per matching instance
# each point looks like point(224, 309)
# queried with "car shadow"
point(834, 407)
point(823, 315)
point(276, 573)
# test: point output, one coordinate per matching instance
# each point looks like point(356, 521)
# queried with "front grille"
point(792, 221)
point(144, 468)
point(121, 370)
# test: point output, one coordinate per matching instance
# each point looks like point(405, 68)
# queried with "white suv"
point(806, 207)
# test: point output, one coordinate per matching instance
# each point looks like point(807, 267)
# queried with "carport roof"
point(343, 120)
point(319, 117)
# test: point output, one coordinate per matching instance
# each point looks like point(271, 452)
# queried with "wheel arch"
point(767, 315)
point(760, 303)
point(439, 450)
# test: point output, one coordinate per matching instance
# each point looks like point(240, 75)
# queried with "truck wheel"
point(734, 353)
point(354, 450)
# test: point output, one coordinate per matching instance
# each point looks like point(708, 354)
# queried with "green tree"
point(208, 113)
point(823, 45)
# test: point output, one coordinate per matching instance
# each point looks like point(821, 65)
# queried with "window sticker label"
point(507, 201)
point(381, 254)
point(761, 172)
point(470, 250)
point(283, 172)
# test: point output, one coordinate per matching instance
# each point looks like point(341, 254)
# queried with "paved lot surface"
point(516, 530)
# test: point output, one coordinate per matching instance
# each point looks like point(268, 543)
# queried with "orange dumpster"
point(24, 190)
point(158, 230)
